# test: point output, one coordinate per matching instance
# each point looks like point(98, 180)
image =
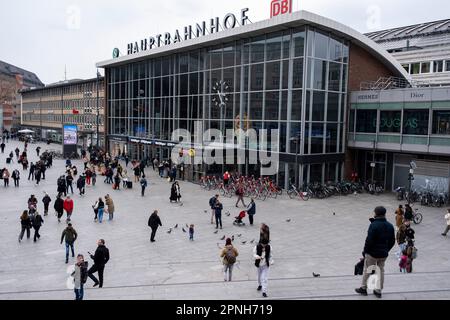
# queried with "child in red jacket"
point(68, 206)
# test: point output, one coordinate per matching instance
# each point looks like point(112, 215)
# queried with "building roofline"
point(62, 84)
point(282, 22)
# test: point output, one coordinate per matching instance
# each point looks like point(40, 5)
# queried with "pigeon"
point(170, 230)
point(181, 204)
point(176, 226)
point(252, 241)
point(184, 230)
point(239, 235)
point(205, 211)
point(215, 232)
point(288, 220)
point(334, 213)
point(232, 238)
point(223, 238)
point(227, 214)
point(244, 242)
point(316, 275)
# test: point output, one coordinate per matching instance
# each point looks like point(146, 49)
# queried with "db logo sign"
point(278, 7)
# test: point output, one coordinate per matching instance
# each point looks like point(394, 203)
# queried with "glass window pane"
point(441, 122)
point(331, 138)
point(286, 44)
point(296, 105)
point(295, 137)
point(447, 65)
point(297, 73)
point(366, 121)
point(438, 66)
point(284, 98)
point(415, 68)
point(351, 121)
point(390, 121)
point(415, 122)
point(272, 104)
point(273, 75)
point(228, 78)
point(228, 56)
point(333, 107)
point(193, 61)
point(216, 57)
point(298, 38)
point(184, 62)
point(318, 112)
point(285, 76)
point(317, 138)
point(273, 47)
point(256, 103)
point(335, 50)
point(334, 77)
point(257, 77)
point(319, 76)
point(321, 45)
point(425, 67)
point(257, 50)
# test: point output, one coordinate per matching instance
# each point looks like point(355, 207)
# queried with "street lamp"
point(412, 166)
point(296, 140)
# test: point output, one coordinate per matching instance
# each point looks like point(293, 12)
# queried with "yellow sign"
point(191, 152)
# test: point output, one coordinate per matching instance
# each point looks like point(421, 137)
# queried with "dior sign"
point(230, 21)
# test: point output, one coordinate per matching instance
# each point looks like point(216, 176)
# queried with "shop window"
point(390, 121)
point(415, 68)
point(365, 121)
point(415, 122)
point(441, 122)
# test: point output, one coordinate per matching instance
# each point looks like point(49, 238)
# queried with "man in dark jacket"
point(154, 222)
point(70, 236)
point(251, 210)
point(380, 240)
point(101, 257)
point(59, 207)
point(46, 200)
point(31, 172)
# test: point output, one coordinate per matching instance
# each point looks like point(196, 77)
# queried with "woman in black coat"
point(25, 223)
point(154, 222)
point(175, 194)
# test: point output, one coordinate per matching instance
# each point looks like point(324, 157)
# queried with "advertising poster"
point(70, 134)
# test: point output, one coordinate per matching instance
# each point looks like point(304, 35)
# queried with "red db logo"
point(278, 7)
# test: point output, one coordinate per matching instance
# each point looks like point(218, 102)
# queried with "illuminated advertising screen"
point(70, 134)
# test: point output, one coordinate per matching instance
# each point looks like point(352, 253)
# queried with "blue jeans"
point(67, 251)
point(79, 293)
point(100, 215)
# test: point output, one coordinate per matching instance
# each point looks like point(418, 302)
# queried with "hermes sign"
point(278, 7)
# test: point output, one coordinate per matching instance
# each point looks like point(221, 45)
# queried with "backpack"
point(230, 256)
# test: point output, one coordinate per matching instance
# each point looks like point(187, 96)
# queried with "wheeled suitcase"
point(130, 184)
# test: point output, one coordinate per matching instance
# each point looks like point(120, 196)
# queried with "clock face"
point(220, 91)
point(116, 53)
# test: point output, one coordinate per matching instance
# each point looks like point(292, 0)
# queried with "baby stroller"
point(238, 221)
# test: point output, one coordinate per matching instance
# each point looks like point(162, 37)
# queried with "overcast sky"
point(43, 36)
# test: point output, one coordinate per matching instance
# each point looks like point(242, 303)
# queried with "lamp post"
point(412, 166)
point(296, 140)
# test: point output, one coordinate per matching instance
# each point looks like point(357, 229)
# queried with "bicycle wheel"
point(291, 194)
point(305, 196)
point(417, 218)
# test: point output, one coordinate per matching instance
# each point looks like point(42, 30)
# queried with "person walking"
point(228, 254)
point(101, 258)
point(46, 201)
point(59, 207)
point(37, 223)
point(447, 219)
point(68, 207)
point(154, 222)
point(31, 172)
point(62, 185)
point(218, 214)
point(263, 255)
point(38, 150)
point(191, 232)
point(16, 177)
point(25, 223)
point(6, 176)
point(70, 236)
point(37, 174)
point(379, 241)
point(81, 184)
point(399, 213)
point(264, 233)
point(251, 210)
point(127, 160)
point(212, 204)
point(69, 183)
point(110, 203)
point(94, 177)
point(101, 208)
point(137, 173)
point(404, 234)
point(240, 195)
point(175, 194)
point(2, 147)
point(80, 275)
point(143, 183)
point(88, 173)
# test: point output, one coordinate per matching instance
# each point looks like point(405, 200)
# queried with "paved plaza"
point(314, 240)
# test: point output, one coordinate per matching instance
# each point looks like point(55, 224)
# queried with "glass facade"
point(295, 81)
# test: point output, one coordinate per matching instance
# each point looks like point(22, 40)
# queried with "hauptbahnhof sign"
point(230, 21)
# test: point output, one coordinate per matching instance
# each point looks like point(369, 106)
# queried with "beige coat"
point(110, 205)
point(399, 217)
point(224, 251)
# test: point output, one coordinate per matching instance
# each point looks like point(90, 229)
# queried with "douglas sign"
point(230, 21)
